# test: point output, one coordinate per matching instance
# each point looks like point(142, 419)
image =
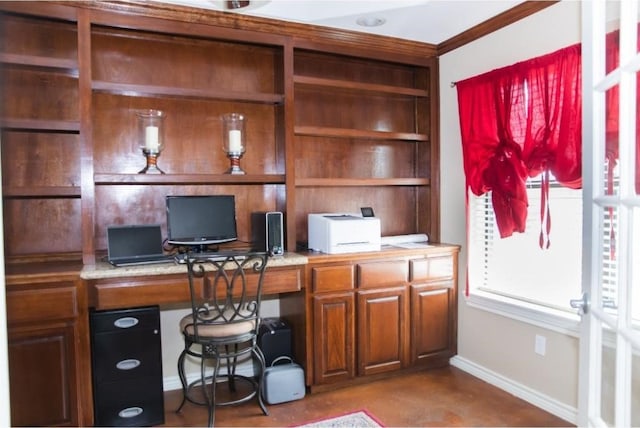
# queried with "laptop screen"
point(129, 242)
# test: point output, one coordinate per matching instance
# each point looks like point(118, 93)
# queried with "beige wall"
point(500, 345)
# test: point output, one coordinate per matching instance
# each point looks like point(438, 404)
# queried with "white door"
point(609, 381)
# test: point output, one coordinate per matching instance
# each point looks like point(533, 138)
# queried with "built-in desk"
point(355, 317)
point(112, 287)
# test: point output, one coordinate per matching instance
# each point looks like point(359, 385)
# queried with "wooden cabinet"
point(371, 314)
point(39, 117)
point(204, 75)
point(334, 337)
point(333, 123)
point(354, 113)
point(48, 350)
point(433, 307)
point(381, 330)
point(333, 305)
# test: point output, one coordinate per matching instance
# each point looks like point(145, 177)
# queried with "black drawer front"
point(136, 402)
point(127, 367)
point(125, 320)
point(127, 355)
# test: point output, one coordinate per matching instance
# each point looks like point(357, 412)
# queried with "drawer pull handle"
point(130, 412)
point(126, 322)
point(129, 364)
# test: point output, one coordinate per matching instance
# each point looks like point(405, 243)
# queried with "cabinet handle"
point(129, 364)
point(126, 322)
point(130, 412)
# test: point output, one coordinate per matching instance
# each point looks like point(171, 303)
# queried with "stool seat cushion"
point(216, 330)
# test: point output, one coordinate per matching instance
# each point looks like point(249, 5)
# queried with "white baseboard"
point(538, 399)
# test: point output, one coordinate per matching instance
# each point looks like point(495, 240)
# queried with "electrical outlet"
point(540, 346)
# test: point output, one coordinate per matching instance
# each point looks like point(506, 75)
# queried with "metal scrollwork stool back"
point(223, 328)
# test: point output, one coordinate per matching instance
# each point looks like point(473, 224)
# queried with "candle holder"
point(233, 140)
point(151, 138)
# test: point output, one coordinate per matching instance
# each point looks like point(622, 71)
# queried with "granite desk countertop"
point(103, 270)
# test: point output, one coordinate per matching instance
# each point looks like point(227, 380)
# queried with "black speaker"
point(274, 339)
point(267, 232)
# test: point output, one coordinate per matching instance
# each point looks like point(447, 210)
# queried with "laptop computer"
point(135, 245)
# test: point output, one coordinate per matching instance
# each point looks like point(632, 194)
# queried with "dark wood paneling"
point(46, 304)
point(394, 205)
point(352, 158)
point(343, 109)
point(193, 136)
point(39, 225)
point(141, 204)
point(41, 377)
point(349, 68)
point(332, 278)
point(382, 330)
point(46, 38)
point(39, 159)
point(382, 273)
point(135, 57)
point(431, 323)
point(334, 337)
point(30, 94)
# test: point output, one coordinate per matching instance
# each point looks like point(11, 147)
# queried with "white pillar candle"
point(235, 141)
point(152, 143)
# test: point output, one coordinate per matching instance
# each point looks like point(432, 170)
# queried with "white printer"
point(336, 233)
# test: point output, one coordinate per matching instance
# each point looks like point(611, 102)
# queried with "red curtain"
point(492, 119)
point(553, 143)
point(519, 121)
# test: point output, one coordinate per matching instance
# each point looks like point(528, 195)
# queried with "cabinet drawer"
point(137, 403)
point(332, 278)
point(136, 291)
point(127, 355)
point(429, 268)
point(125, 320)
point(42, 304)
point(376, 274)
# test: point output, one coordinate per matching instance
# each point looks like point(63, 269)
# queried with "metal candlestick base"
point(152, 163)
point(234, 159)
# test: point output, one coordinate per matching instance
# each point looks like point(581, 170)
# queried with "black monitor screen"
point(201, 220)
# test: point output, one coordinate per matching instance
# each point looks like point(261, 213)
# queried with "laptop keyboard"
point(144, 260)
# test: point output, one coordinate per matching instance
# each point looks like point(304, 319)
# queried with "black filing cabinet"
point(126, 359)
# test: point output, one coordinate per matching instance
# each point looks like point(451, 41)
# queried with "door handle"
point(582, 304)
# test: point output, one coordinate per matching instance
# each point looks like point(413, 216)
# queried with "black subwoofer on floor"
point(274, 339)
point(126, 359)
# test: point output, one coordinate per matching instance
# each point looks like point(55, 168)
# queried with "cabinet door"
point(432, 321)
point(42, 377)
point(382, 332)
point(334, 343)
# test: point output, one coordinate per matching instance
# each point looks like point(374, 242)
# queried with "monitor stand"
point(203, 248)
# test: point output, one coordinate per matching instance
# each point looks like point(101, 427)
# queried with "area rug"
point(358, 419)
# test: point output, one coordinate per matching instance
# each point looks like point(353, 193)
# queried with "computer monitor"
point(198, 221)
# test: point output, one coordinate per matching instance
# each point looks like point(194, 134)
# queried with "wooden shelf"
point(41, 192)
point(49, 63)
point(360, 182)
point(70, 126)
point(172, 179)
point(359, 87)
point(319, 131)
point(128, 89)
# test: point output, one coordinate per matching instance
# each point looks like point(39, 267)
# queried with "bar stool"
point(223, 327)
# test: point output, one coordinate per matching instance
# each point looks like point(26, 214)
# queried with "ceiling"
point(428, 21)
